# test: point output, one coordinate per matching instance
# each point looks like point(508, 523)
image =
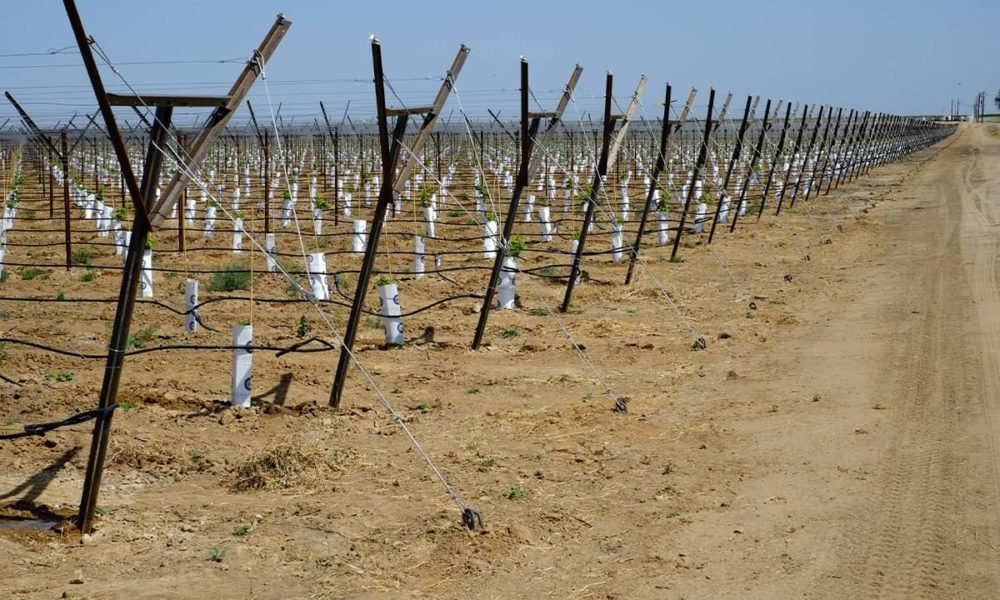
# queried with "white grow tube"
point(700, 215)
point(358, 238)
point(317, 276)
point(270, 250)
point(507, 290)
point(146, 277)
point(237, 235)
point(107, 221)
point(664, 227)
point(418, 257)
point(430, 216)
point(490, 240)
point(210, 220)
point(318, 222)
point(388, 298)
point(545, 222)
point(190, 301)
point(242, 381)
point(617, 241)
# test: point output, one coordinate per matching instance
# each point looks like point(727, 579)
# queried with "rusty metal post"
point(181, 213)
point(183, 207)
point(390, 155)
point(528, 132)
point(66, 211)
point(123, 320)
point(774, 161)
point(737, 150)
point(602, 169)
point(336, 176)
point(322, 164)
point(698, 166)
point(826, 155)
point(753, 163)
point(860, 143)
point(267, 182)
point(529, 127)
point(852, 143)
point(51, 185)
point(654, 179)
point(791, 163)
point(839, 144)
point(437, 144)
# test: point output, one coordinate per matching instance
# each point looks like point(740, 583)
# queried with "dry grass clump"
point(280, 466)
point(143, 457)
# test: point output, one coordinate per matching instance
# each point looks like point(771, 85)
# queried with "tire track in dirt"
point(982, 242)
point(907, 541)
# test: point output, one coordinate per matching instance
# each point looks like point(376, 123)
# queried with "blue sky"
point(894, 56)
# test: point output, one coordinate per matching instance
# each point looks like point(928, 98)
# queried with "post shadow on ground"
point(34, 486)
point(279, 391)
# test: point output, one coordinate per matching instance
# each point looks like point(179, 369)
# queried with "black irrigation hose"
point(295, 348)
point(158, 269)
point(195, 308)
point(278, 350)
point(43, 428)
point(336, 286)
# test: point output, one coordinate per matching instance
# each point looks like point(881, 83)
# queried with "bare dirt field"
point(840, 441)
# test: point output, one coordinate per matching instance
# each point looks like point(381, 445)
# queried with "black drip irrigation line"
point(278, 350)
point(43, 428)
point(196, 307)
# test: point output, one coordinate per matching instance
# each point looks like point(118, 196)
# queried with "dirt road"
point(841, 441)
point(888, 484)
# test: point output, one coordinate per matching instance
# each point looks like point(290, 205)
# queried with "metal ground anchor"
point(470, 517)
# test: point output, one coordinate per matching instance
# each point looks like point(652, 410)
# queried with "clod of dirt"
point(89, 539)
point(65, 527)
point(520, 533)
point(427, 337)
